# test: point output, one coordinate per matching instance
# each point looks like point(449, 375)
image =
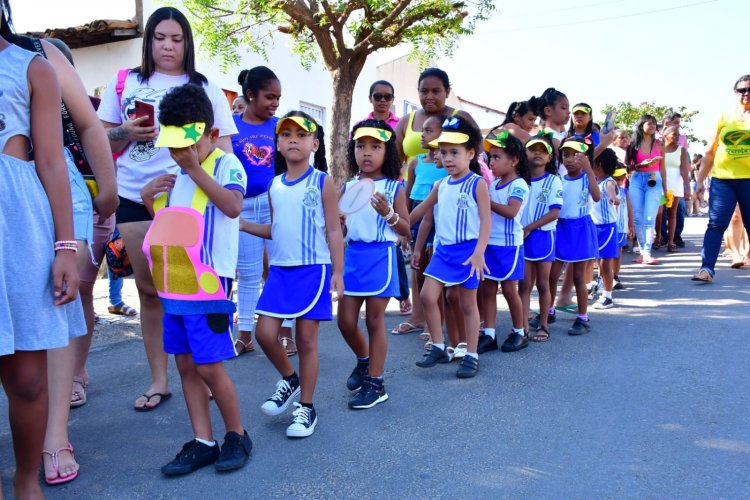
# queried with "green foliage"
point(628, 115)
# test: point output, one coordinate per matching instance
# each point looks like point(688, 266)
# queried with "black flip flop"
point(164, 397)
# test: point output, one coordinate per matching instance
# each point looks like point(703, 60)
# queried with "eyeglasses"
point(382, 97)
point(743, 90)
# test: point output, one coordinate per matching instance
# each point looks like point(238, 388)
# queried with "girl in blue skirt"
point(576, 241)
point(504, 255)
point(539, 222)
point(461, 238)
point(370, 259)
point(604, 213)
point(305, 264)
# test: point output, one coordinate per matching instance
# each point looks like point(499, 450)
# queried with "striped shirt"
point(602, 211)
point(576, 197)
point(459, 214)
point(508, 232)
point(366, 224)
point(545, 194)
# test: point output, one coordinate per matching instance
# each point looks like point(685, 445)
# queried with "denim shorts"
point(83, 208)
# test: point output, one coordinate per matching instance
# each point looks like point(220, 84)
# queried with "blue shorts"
point(415, 229)
point(607, 239)
point(446, 265)
point(622, 240)
point(576, 240)
point(208, 337)
point(504, 263)
point(539, 246)
point(83, 208)
point(297, 292)
point(370, 269)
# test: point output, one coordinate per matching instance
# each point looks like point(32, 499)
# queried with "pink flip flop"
point(56, 465)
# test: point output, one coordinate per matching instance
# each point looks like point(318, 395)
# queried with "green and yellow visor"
point(580, 107)
point(380, 134)
point(172, 136)
point(533, 141)
point(303, 122)
point(450, 138)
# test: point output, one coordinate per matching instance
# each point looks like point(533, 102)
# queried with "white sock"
point(472, 355)
point(207, 443)
point(490, 332)
point(607, 294)
point(287, 323)
point(440, 346)
point(519, 331)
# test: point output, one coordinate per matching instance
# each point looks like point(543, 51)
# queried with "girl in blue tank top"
point(305, 264)
point(370, 271)
point(462, 232)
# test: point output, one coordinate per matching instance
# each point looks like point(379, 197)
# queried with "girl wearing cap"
point(462, 234)
point(575, 239)
point(307, 257)
point(539, 222)
point(370, 259)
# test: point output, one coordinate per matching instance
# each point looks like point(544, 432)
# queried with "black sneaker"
point(468, 368)
point(604, 303)
point(514, 342)
point(371, 393)
point(282, 398)
point(192, 457)
point(434, 356)
point(593, 291)
point(303, 422)
point(486, 343)
point(354, 381)
point(234, 452)
point(618, 284)
point(580, 327)
point(679, 242)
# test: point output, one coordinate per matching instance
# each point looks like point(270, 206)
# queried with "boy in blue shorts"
point(192, 251)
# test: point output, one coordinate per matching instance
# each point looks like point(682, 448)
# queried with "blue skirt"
point(30, 320)
point(607, 239)
point(622, 240)
point(446, 265)
point(297, 292)
point(539, 246)
point(576, 240)
point(370, 269)
point(504, 263)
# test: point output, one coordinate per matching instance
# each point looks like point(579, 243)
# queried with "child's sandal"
point(541, 335)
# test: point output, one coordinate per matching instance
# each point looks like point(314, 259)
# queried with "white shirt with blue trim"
point(459, 214)
point(545, 194)
point(366, 224)
point(508, 232)
point(602, 211)
point(576, 197)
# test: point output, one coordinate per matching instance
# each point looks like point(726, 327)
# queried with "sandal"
point(405, 308)
point(425, 335)
point(672, 248)
point(56, 465)
point(162, 397)
point(122, 309)
point(245, 347)
point(541, 335)
point(78, 396)
point(428, 345)
point(703, 275)
point(406, 328)
point(450, 352)
point(737, 263)
point(460, 351)
point(289, 346)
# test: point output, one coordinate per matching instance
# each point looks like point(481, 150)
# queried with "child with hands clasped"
point(576, 240)
point(539, 222)
point(504, 254)
point(604, 213)
point(307, 239)
point(462, 234)
point(192, 251)
point(370, 271)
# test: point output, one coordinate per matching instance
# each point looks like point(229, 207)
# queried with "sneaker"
point(432, 357)
point(303, 423)
point(514, 342)
point(280, 400)
point(679, 242)
point(593, 289)
point(580, 327)
point(486, 344)
point(536, 320)
point(618, 284)
point(371, 393)
point(604, 303)
point(354, 381)
point(468, 368)
point(234, 452)
point(192, 457)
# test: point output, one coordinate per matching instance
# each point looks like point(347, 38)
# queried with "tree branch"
point(397, 10)
point(336, 27)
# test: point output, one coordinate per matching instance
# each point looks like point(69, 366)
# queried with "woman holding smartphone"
point(168, 61)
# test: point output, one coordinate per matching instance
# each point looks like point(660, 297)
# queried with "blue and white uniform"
point(575, 238)
point(504, 253)
point(545, 194)
point(370, 258)
point(604, 215)
point(300, 260)
point(622, 217)
point(457, 233)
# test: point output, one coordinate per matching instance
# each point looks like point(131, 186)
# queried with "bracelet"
point(66, 245)
point(398, 218)
point(389, 214)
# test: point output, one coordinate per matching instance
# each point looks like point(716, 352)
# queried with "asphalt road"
point(652, 404)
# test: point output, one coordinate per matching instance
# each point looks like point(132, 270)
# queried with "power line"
point(610, 18)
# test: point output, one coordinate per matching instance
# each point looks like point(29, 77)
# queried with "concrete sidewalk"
point(652, 404)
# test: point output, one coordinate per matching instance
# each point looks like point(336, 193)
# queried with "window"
point(317, 112)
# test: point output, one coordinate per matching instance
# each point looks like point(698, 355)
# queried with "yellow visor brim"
point(577, 146)
point(380, 134)
point(304, 123)
point(488, 144)
point(585, 109)
point(539, 141)
point(171, 136)
point(619, 172)
point(450, 138)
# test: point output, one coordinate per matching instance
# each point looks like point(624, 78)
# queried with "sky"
point(672, 52)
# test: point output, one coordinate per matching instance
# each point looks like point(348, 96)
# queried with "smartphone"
point(144, 109)
point(609, 121)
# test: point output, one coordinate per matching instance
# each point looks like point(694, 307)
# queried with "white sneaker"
point(604, 303)
point(281, 398)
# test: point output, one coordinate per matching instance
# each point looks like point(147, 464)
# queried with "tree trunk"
point(343, 90)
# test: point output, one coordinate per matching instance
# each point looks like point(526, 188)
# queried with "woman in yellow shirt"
point(728, 161)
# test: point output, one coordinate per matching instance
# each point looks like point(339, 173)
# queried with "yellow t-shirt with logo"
point(732, 160)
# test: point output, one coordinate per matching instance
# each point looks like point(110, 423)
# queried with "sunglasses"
point(743, 90)
point(382, 97)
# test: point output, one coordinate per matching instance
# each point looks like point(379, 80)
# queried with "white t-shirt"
point(545, 194)
point(508, 232)
point(221, 234)
point(141, 162)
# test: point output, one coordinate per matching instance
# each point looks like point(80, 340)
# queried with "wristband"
point(389, 214)
point(66, 245)
point(398, 218)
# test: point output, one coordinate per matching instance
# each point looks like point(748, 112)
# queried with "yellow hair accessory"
point(172, 136)
point(376, 133)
